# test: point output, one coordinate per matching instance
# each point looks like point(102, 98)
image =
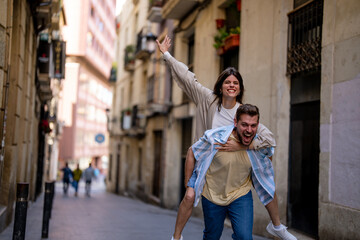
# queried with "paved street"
point(105, 216)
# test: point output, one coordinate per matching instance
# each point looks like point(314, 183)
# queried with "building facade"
point(31, 69)
point(90, 36)
point(299, 62)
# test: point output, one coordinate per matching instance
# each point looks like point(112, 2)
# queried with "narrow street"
point(105, 216)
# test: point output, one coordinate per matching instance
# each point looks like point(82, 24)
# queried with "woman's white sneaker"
point(181, 238)
point(281, 233)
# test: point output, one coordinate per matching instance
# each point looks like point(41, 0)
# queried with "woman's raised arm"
point(165, 45)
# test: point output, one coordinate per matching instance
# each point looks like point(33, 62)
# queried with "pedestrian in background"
point(76, 178)
point(89, 174)
point(67, 177)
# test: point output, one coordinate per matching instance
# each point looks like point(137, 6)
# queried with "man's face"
point(246, 128)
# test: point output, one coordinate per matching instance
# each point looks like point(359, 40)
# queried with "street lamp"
point(150, 42)
point(108, 115)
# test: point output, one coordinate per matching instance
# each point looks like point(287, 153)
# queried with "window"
point(304, 43)
point(92, 11)
point(190, 62)
point(150, 89)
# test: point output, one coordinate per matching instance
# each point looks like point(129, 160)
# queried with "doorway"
point(304, 153)
point(158, 135)
point(185, 144)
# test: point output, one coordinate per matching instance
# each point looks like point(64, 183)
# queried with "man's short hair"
point(248, 109)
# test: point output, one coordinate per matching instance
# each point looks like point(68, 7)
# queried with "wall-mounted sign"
point(59, 55)
point(99, 138)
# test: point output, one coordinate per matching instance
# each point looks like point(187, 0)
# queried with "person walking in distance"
point(77, 176)
point(67, 176)
point(214, 108)
point(88, 176)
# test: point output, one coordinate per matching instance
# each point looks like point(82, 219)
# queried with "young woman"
point(213, 109)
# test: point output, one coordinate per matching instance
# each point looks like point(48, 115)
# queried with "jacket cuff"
point(166, 55)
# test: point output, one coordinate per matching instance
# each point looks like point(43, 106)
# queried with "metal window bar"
point(304, 38)
point(150, 89)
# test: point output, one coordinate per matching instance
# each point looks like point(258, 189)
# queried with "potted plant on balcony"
point(219, 40)
point(238, 5)
point(220, 22)
point(155, 3)
point(126, 119)
point(129, 57)
point(233, 39)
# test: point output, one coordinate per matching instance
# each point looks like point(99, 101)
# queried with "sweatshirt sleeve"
point(186, 79)
point(264, 139)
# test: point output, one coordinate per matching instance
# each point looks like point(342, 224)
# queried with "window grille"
point(304, 43)
point(150, 89)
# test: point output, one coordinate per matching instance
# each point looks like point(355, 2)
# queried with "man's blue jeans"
point(240, 213)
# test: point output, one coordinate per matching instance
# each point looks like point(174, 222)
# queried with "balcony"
point(154, 14)
point(129, 58)
point(177, 9)
point(155, 108)
point(44, 91)
point(113, 74)
point(145, 45)
point(133, 121)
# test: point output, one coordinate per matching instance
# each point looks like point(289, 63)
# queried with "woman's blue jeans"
point(240, 213)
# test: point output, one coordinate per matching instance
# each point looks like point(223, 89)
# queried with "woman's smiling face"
point(230, 87)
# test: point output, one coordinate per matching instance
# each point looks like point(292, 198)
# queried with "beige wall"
point(263, 49)
point(340, 115)
point(17, 50)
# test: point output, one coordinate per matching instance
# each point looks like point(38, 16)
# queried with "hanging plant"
point(219, 38)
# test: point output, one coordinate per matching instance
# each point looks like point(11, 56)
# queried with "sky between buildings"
point(119, 4)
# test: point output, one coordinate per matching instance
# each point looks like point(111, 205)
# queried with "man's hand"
point(165, 45)
point(230, 146)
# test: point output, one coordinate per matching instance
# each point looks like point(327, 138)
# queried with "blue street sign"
point(99, 138)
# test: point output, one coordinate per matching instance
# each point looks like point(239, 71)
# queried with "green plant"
point(126, 111)
point(129, 53)
point(235, 30)
point(130, 48)
point(219, 38)
point(155, 3)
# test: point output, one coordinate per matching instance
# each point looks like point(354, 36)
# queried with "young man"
point(76, 179)
point(223, 179)
point(89, 174)
point(67, 176)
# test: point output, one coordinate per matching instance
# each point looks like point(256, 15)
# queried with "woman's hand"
point(165, 45)
point(230, 146)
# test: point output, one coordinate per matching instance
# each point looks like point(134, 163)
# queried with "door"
point(304, 153)
point(158, 135)
point(185, 144)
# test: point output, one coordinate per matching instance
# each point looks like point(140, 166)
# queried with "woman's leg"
point(214, 216)
point(186, 205)
point(241, 215)
point(189, 165)
point(184, 212)
point(273, 210)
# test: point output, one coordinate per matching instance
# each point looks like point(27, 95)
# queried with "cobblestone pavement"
point(105, 216)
